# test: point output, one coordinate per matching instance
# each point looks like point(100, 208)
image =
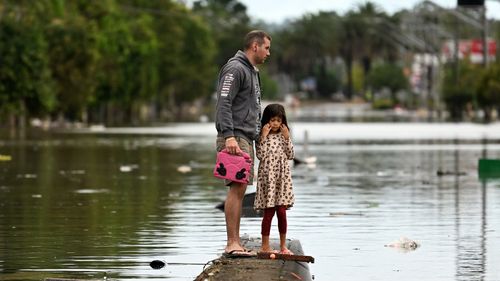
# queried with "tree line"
point(132, 61)
point(102, 61)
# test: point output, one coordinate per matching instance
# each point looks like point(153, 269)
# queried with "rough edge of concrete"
point(243, 269)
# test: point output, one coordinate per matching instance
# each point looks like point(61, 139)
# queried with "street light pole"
point(484, 35)
point(484, 24)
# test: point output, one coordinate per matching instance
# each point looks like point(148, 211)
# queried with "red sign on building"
point(470, 49)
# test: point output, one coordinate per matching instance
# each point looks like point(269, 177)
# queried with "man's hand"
point(232, 146)
point(285, 131)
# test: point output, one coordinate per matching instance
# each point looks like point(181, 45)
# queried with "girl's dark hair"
point(273, 110)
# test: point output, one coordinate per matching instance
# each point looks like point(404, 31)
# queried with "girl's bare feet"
point(267, 250)
point(285, 251)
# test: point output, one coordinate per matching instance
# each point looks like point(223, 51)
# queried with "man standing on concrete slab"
point(238, 114)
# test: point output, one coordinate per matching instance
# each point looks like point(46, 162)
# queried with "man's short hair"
point(255, 36)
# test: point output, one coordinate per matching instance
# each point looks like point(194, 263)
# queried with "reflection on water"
point(105, 205)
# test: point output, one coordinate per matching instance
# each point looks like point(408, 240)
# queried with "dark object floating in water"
point(247, 209)
point(450, 173)
point(308, 161)
point(248, 200)
point(157, 264)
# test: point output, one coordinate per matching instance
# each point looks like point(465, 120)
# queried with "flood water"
point(96, 205)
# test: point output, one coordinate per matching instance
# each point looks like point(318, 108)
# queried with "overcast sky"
point(276, 11)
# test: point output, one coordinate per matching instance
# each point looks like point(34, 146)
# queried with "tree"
point(362, 36)
point(328, 81)
point(26, 87)
point(458, 93)
point(390, 76)
point(307, 44)
point(74, 59)
point(353, 29)
point(185, 53)
point(128, 64)
point(488, 90)
point(229, 22)
point(269, 86)
point(194, 78)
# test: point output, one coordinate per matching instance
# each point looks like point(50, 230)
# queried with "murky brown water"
point(104, 205)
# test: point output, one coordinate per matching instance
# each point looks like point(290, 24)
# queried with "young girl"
point(274, 181)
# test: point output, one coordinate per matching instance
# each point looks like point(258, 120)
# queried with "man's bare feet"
point(234, 247)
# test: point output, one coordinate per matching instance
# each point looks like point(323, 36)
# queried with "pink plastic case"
point(233, 167)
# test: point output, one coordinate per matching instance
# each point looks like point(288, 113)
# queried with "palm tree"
point(306, 43)
point(351, 38)
point(363, 39)
point(229, 21)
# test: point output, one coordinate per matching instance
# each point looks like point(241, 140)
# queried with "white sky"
point(276, 11)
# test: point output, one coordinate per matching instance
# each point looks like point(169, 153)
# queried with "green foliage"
point(269, 86)
point(328, 81)
point(458, 88)
point(305, 43)
point(358, 78)
point(128, 64)
point(388, 75)
point(111, 58)
point(383, 103)
point(73, 59)
point(229, 22)
point(69, 57)
point(24, 69)
point(197, 71)
point(488, 90)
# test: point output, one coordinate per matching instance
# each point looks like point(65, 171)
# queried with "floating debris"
point(5, 157)
point(371, 204)
point(184, 169)
point(27, 176)
point(91, 191)
point(309, 161)
point(128, 168)
point(341, 214)
point(382, 174)
point(157, 264)
point(404, 244)
point(72, 172)
point(450, 173)
point(125, 169)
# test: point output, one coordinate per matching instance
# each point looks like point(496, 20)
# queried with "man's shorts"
point(246, 147)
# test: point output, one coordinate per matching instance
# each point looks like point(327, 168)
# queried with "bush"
point(458, 89)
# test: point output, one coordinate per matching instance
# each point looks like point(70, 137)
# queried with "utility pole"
point(484, 23)
point(484, 35)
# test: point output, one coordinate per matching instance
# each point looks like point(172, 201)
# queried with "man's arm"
point(227, 89)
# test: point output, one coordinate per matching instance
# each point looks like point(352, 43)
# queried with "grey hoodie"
point(238, 109)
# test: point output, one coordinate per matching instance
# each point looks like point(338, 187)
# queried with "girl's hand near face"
point(265, 131)
point(285, 131)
